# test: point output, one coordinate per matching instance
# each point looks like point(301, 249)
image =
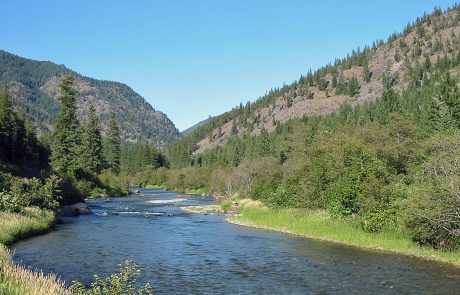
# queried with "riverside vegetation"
point(31, 190)
point(384, 170)
point(382, 174)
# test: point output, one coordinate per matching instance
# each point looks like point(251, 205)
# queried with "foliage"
point(92, 143)
point(18, 141)
point(381, 164)
point(432, 213)
point(121, 283)
point(112, 145)
point(66, 138)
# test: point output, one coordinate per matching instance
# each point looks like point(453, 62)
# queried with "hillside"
point(34, 88)
point(353, 80)
point(194, 127)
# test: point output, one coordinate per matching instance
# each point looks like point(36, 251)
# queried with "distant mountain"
point(353, 80)
point(34, 88)
point(194, 127)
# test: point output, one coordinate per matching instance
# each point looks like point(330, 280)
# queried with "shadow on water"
point(183, 253)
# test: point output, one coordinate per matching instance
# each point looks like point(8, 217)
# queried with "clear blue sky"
point(191, 59)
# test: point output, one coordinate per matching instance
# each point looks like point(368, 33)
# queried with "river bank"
point(15, 279)
point(321, 226)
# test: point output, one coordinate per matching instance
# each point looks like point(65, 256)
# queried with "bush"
point(374, 222)
point(432, 212)
point(121, 283)
point(33, 192)
point(9, 203)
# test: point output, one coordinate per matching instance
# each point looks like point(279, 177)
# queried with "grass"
point(30, 222)
point(15, 279)
point(320, 225)
point(206, 209)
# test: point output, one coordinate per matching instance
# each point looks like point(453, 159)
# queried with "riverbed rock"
point(75, 210)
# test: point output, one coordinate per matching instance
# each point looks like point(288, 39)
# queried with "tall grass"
point(31, 221)
point(321, 225)
point(15, 279)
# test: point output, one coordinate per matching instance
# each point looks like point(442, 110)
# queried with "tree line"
point(388, 165)
point(72, 163)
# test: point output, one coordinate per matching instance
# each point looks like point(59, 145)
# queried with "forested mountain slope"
point(373, 141)
point(34, 87)
point(353, 80)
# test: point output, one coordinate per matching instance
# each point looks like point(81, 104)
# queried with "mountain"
point(34, 88)
point(194, 127)
point(353, 80)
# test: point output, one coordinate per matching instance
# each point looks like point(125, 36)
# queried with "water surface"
point(182, 253)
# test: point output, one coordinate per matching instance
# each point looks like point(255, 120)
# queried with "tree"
point(113, 145)
point(366, 73)
point(92, 143)
point(66, 138)
point(353, 87)
point(234, 128)
point(6, 124)
point(447, 92)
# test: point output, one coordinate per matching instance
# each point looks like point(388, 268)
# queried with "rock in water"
point(75, 210)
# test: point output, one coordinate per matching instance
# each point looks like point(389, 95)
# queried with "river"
point(182, 253)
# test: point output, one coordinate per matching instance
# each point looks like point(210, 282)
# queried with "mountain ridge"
point(34, 88)
point(353, 80)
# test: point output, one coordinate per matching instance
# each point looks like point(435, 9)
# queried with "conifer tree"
point(353, 87)
point(113, 145)
point(92, 143)
point(366, 73)
point(234, 128)
point(448, 92)
point(6, 124)
point(66, 138)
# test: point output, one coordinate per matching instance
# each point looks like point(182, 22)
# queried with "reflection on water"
point(183, 253)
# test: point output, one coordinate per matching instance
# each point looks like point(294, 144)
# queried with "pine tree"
point(66, 138)
point(353, 87)
point(264, 144)
point(92, 143)
point(6, 124)
point(113, 145)
point(234, 128)
point(366, 73)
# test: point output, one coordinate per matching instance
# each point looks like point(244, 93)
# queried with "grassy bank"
point(320, 225)
point(15, 279)
point(31, 222)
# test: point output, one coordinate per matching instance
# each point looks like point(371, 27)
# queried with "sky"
point(191, 59)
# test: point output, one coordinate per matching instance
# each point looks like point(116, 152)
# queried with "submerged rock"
point(75, 210)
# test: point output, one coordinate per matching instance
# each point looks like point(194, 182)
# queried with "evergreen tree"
point(366, 73)
point(234, 128)
point(113, 145)
point(92, 143)
point(353, 87)
point(66, 138)
point(264, 144)
point(447, 92)
point(6, 124)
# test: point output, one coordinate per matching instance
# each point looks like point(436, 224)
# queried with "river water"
point(182, 253)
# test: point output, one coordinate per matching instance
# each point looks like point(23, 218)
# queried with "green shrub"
point(121, 283)
point(226, 205)
point(374, 222)
point(9, 203)
point(34, 192)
